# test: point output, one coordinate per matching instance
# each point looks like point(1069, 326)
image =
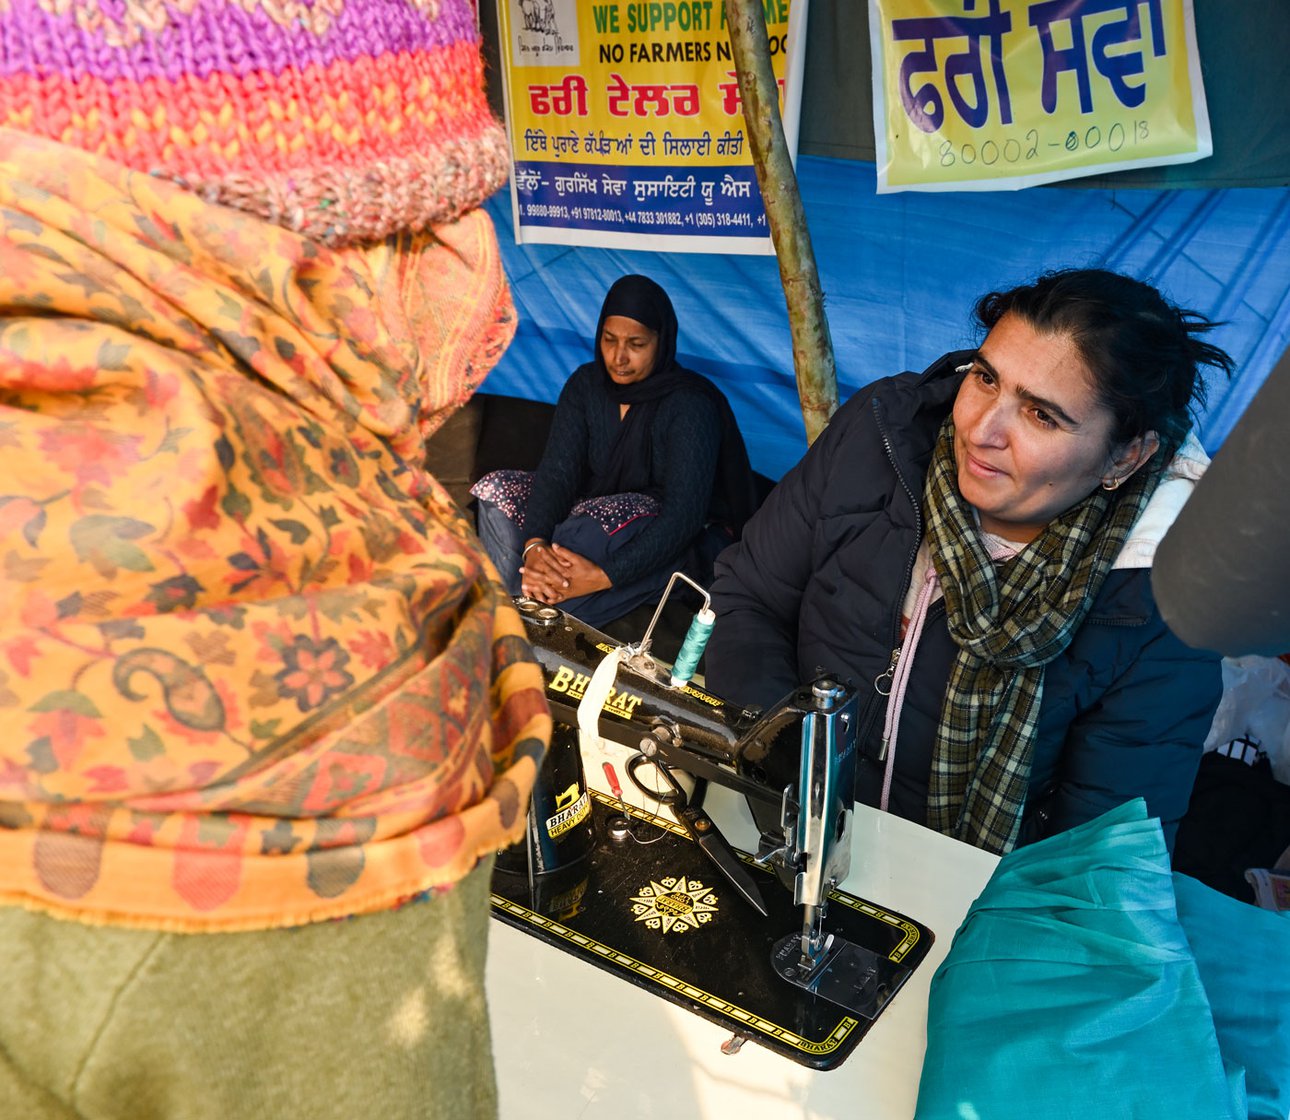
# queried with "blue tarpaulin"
point(900, 273)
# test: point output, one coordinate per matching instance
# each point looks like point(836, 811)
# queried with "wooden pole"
point(817, 383)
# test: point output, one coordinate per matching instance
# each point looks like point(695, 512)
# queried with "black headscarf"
point(639, 298)
point(628, 467)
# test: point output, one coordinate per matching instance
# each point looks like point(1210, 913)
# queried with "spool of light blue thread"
point(687, 660)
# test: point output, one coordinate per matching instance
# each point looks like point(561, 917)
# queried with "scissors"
point(701, 829)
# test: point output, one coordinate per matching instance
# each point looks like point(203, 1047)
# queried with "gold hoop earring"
point(1114, 484)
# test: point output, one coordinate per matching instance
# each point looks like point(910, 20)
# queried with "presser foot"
point(846, 974)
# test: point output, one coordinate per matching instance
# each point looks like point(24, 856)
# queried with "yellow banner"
point(995, 94)
point(626, 124)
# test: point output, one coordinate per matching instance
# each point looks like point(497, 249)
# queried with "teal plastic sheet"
point(1072, 990)
point(1243, 954)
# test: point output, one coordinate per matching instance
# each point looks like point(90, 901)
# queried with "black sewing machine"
point(794, 762)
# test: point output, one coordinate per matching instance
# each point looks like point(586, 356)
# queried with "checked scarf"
point(1009, 623)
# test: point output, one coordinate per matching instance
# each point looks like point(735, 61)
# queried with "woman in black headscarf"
point(644, 473)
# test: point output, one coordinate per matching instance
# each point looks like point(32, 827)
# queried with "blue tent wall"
point(900, 273)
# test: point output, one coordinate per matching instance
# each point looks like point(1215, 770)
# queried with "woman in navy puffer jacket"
point(971, 547)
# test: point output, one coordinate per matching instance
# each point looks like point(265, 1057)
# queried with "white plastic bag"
point(1256, 706)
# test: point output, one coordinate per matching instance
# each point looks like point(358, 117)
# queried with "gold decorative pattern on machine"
point(674, 905)
point(911, 935)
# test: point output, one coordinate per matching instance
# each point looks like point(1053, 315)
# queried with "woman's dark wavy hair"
point(1145, 353)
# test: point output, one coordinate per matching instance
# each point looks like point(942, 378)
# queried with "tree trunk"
point(817, 384)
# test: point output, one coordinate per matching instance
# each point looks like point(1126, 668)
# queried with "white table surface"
point(571, 1040)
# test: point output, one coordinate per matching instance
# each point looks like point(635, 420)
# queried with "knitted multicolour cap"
point(345, 120)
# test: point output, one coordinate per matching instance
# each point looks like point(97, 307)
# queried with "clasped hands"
point(551, 573)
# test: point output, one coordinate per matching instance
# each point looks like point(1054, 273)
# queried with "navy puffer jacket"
point(817, 584)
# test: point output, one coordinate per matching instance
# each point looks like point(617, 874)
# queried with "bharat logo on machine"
point(571, 811)
point(572, 684)
point(674, 905)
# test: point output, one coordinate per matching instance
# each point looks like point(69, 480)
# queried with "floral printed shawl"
point(254, 668)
